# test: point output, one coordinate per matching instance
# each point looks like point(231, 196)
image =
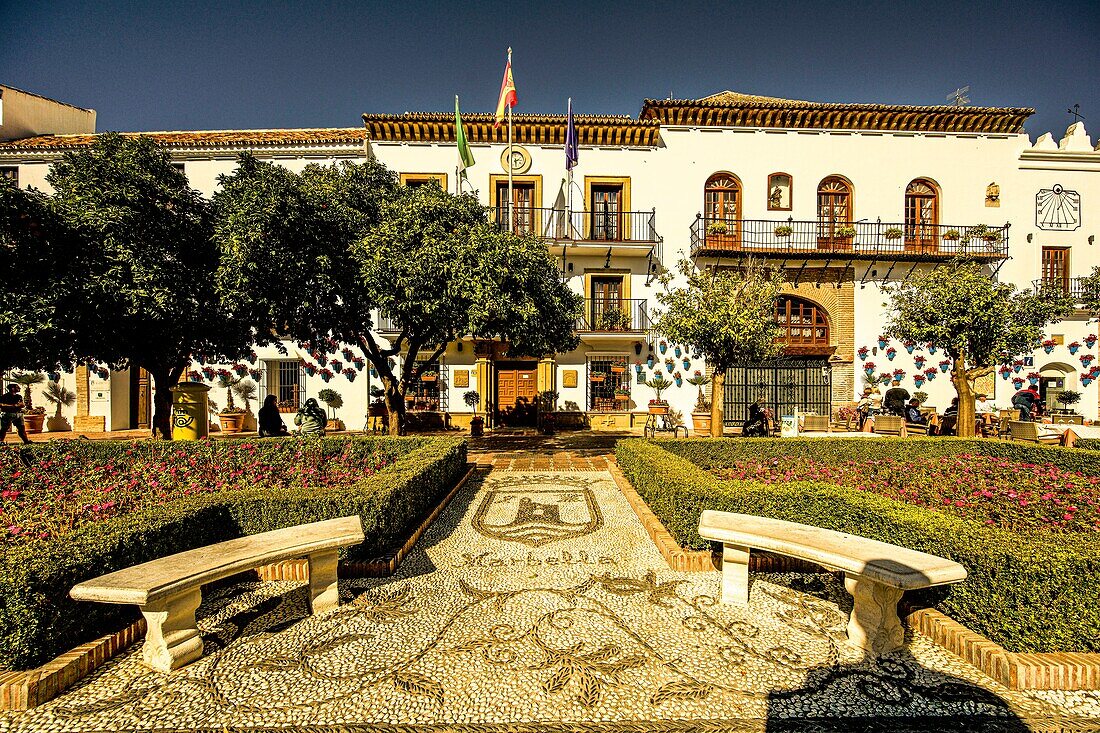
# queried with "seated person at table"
point(983, 406)
point(895, 398)
point(756, 426)
point(953, 408)
point(913, 414)
point(1027, 402)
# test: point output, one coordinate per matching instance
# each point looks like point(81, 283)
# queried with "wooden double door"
point(517, 393)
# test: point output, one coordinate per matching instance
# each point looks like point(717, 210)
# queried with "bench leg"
point(874, 624)
point(735, 575)
point(172, 637)
point(324, 594)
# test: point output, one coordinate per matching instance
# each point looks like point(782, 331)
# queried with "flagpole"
point(569, 195)
point(511, 222)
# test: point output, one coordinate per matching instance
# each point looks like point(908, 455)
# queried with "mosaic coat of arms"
point(537, 517)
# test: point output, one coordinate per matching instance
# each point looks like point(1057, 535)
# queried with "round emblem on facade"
point(517, 157)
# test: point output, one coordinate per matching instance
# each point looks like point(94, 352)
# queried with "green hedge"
point(1028, 592)
point(38, 620)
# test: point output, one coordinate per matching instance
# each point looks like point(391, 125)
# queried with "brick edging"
point(1016, 671)
point(1049, 671)
point(25, 690)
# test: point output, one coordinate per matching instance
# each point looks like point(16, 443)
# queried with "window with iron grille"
point(285, 379)
point(10, 173)
point(608, 383)
point(430, 391)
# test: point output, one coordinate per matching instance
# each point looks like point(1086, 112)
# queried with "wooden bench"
point(816, 424)
point(889, 425)
point(169, 589)
point(875, 573)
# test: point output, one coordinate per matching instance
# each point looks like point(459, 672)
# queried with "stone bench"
point(875, 573)
point(169, 589)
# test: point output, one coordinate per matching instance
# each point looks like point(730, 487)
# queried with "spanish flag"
point(507, 92)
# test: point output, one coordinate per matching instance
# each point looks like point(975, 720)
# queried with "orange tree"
point(976, 321)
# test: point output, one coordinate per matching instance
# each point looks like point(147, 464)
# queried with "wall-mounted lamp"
point(1030, 236)
point(569, 267)
point(638, 348)
point(1092, 239)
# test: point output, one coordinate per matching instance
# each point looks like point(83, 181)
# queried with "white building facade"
point(843, 198)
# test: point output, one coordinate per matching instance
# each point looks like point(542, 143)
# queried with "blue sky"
point(216, 65)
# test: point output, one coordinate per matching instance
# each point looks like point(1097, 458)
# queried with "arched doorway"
point(800, 379)
point(722, 211)
point(1055, 378)
point(834, 213)
point(922, 215)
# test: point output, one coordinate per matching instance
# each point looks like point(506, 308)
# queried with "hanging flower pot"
point(882, 342)
point(252, 357)
point(931, 348)
point(1087, 359)
point(649, 361)
point(208, 373)
point(1086, 380)
point(670, 365)
point(337, 365)
point(909, 346)
point(678, 378)
point(945, 365)
point(863, 352)
point(1004, 371)
point(885, 378)
point(1017, 382)
point(255, 374)
point(891, 353)
point(919, 380)
point(1033, 377)
point(929, 374)
point(311, 369)
point(325, 374)
point(919, 361)
point(663, 346)
point(1074, 347)
point(687, 364)
point(678, 352)
point(350, 373)
point(1090, 340)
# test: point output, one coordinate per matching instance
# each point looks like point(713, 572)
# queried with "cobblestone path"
point(537, 603)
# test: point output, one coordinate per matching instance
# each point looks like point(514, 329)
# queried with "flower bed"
point(1013, 495)
point(70, 485)
point(306, 481)
point(1029, 590)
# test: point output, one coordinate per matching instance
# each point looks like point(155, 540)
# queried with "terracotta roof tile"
point(206, 138)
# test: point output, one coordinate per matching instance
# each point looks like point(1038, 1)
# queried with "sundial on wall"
point(1057, 209)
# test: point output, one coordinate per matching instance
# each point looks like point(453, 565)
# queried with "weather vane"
point(1075, 110)
point(958, 97)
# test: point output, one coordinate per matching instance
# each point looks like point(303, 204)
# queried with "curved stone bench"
point(875, 573)
point(169, 589)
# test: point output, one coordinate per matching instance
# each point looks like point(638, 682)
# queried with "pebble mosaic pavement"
point(536, 603)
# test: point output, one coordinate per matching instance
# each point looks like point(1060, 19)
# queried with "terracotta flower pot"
point(702, 422)
point(231, 423)
point(34, 422)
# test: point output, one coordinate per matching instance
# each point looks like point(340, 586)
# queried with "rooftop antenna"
point(958, 97)
point(1076, 112)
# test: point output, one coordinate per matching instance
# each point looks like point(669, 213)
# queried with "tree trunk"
point(964, 428)
point(395, 402)
point(162, 402)
point(717, 394)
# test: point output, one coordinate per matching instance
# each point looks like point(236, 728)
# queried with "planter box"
point(287, 409)
point(701, 422)
point(231, 423)
point(658, 409)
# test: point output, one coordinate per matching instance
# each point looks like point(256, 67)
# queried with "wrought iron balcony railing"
point(864, 240)
point(610, 315)
point(1071, 286)
point(627, 227)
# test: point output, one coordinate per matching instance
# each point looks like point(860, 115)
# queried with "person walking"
point(11, 413)
point(896, 397)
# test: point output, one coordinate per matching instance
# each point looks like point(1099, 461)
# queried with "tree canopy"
point(36, 252)
point(313, 255)
point(976, 321)
point(727, 315)
point(141, 276)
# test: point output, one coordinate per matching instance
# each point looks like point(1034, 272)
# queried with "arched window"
point(834, 211)
point(922, 214)
point(801, 323)
point(722, 211)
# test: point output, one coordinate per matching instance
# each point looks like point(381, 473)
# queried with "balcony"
point(1072, 286)
point(609, 316)
point(857, 240)
point(630, 233)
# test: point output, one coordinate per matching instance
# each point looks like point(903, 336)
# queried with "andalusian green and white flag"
point(465, 155)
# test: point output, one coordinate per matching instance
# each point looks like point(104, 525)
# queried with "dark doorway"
point(786, 384)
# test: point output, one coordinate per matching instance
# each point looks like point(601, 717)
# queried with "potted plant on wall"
point(61, 397)
point(700, 416)
point(477, 424)
point(334, 402)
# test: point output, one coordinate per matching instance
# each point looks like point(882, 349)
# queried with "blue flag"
point(570, 140)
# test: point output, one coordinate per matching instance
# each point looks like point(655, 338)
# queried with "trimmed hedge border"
point(38, 620)
point(1028, 592)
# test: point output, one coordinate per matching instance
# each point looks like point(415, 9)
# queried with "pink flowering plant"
point(1013, 495)
point(69, 485)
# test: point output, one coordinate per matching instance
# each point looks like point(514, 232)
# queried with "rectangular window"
point(523, 206)
point(608, 384)
point(1056, 268)
point(430, 392)
point(10, 173)
point(412, 180)
point(606, 207)
point(286, 382)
